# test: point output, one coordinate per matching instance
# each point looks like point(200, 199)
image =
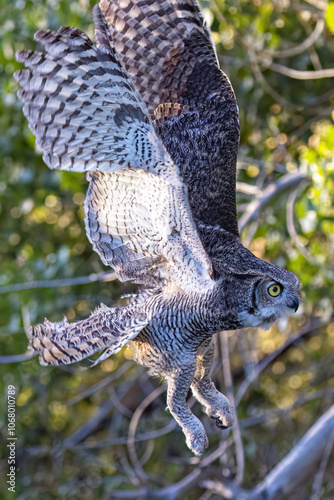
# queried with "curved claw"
point(220, 424)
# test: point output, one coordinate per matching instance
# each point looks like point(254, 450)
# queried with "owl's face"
point(269, 298)
point(251, 292)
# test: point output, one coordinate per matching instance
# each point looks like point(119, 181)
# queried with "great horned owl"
point(151, 118)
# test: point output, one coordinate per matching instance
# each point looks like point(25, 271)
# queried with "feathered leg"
point(178, 386)
point(217, 405)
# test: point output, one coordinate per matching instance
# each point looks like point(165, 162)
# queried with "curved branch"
point(263, 82)
point(80, 280)
point(291, 226)
point(301, 75)
point(244, 386)
point(99, 385)
point(17, 358)
point(267, 194)
point(319, 477)
point(291, 472)
point(297, 466)
point(133, 427)
point(308, 42)
point(239, 450)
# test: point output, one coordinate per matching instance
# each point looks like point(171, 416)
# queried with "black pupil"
point(275, 289)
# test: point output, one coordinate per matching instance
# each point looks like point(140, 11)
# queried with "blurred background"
point(93, 433)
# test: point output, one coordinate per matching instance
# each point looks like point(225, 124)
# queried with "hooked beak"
point(293, 303)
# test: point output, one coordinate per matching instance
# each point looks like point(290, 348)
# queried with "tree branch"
point(267, 194)
point(308, 42)
point(80, 280)
point(239, 450)
point(253, 375)
point(297, 466)
point(301, 75)
point(133, 427)
point(17, 358)
point(291, 472)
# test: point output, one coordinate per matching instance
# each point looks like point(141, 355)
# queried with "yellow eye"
point(274, 290)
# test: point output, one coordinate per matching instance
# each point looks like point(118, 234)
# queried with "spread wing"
point(87, 116)
point(106, 328)
point(167, 49)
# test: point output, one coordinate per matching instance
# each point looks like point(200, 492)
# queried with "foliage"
point(286, 126)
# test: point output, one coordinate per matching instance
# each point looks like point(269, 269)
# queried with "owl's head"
point(268, 295)
point(257, 292)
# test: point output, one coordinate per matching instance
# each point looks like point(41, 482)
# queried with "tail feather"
point(66, 343)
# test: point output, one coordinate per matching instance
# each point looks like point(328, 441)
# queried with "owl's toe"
point(220, 424)
point(224, 417)
point(197, 443)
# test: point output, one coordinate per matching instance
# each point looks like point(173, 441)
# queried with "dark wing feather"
point(167, 49)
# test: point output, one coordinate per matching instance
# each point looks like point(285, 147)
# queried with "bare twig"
point(319, 4)
point(148, 452)
point(263, 82)
point(26, 319)
point(244, 161)
point(273, 414)
point(133, 426)
point(301, 75)
point(92, 423)
point(297, 466)
point(242, 187)
point(301, 7)
point(291, 226)
point(306, 125)
point(248, 235)
point(17, 358)
point(128, 469)
point(178, 489)
point(291, 472)
point(101, 384)
point(217, 453)
point(119, 405)
point(308, 42)
point(253, 375)
point(267, 194)
point(81, 280)
point(217, 10)
point(226, 366)
point(206, 495)
point(319, 477)
point(227, 489)
point(138, 493)
point(311, 49)
point(239, 450)
point(145, 436)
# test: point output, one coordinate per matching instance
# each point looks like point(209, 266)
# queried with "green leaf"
point(330, 16)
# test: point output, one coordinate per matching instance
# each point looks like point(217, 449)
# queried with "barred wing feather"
point(82, 108)
point(141, 214)
point(167, 49)
point(107, 328)
point(87, 116)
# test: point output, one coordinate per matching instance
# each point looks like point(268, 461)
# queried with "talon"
point(220, 424)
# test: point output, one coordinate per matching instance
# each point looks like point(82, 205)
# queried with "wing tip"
point(41, 35)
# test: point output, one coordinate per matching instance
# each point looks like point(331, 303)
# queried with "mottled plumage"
point(153, 120)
